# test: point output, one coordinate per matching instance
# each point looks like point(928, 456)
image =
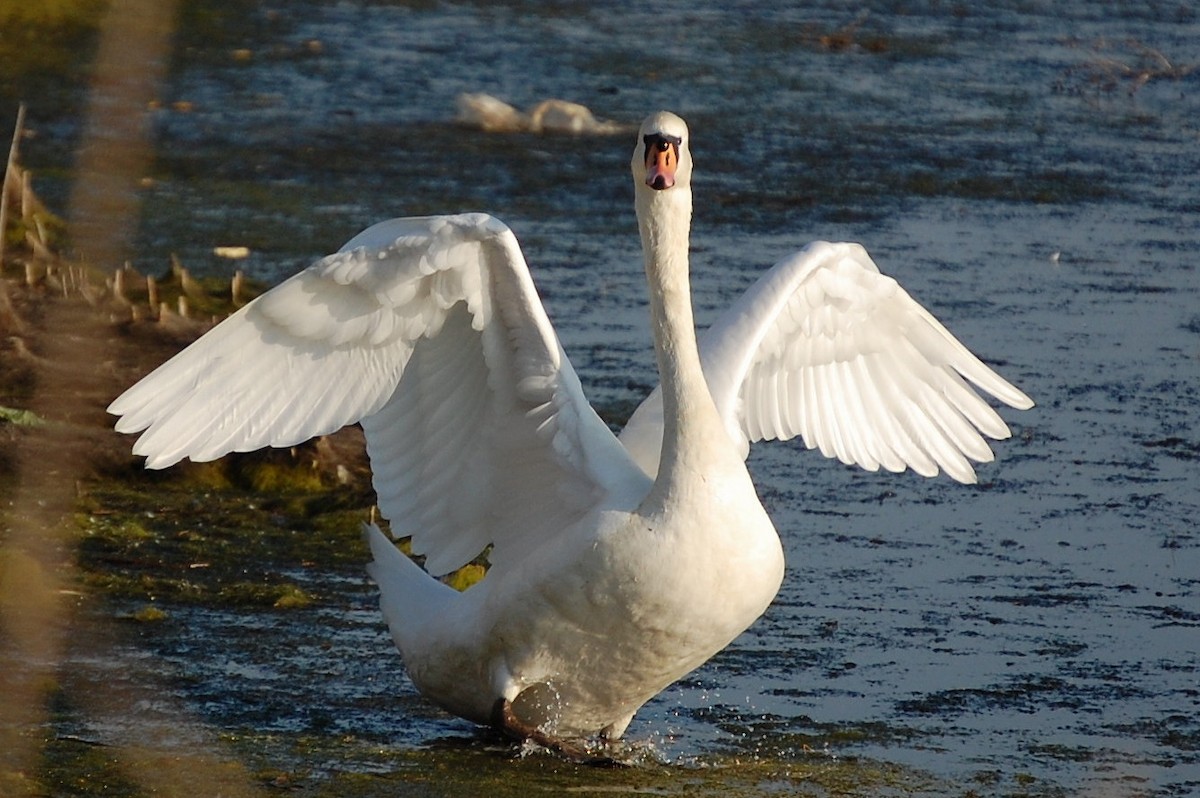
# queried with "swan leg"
point(504, 719)
point(613, 731)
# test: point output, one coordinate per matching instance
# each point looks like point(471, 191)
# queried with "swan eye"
point(660, 142)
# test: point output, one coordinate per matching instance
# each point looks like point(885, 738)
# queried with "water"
point(1044, 625)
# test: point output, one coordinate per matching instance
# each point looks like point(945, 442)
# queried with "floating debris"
point(232, 253)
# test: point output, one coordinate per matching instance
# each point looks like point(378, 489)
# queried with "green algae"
point(75, 767)
point(292, 597)
point(233, 532)
point(206, 535)
point(69, 765)
point(150, 614)
point(20, 418)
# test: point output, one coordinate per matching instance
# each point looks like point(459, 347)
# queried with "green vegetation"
point(19, 418)
point(224, 533)
point(227, 532)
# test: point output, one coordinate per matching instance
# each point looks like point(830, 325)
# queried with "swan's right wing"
point(825, 347)
point(430, 332)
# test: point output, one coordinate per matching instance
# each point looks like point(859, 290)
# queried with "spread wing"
point(825, 347)
point(430, 332)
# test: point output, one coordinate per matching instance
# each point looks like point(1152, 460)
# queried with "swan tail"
point(409, 596)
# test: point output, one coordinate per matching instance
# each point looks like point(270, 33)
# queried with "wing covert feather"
point(430, 333)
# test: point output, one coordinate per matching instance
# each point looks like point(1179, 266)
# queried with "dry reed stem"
point(8, 315)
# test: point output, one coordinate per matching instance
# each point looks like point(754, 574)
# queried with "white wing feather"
point(430, 332)
point(825, 347)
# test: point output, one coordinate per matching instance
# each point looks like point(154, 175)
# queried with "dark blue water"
point(1029, 171)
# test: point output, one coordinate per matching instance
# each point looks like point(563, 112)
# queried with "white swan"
point(615, 569)
point(549, 116)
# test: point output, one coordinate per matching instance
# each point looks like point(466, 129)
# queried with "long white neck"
point(691, 424)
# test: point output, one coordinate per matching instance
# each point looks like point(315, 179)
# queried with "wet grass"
point(473, 766)
point(76, 767)
point(231, 533)
point(80, 767)
point(224, 534)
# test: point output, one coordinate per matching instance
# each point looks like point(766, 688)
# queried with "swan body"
point(492, 115)
point(616, 565)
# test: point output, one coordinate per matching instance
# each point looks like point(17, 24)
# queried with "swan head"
point(661, 156)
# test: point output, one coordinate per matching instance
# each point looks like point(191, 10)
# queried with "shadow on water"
point(1028, 172)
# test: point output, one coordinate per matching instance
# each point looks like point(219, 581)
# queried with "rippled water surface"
point(1007, 165)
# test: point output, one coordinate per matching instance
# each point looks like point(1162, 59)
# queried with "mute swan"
point(549, 116)
point(617, 566)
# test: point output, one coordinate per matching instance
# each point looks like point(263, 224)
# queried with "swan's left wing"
point(825, 347)
point(430, 332)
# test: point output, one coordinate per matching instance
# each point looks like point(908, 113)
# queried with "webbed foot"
point(504, 719)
